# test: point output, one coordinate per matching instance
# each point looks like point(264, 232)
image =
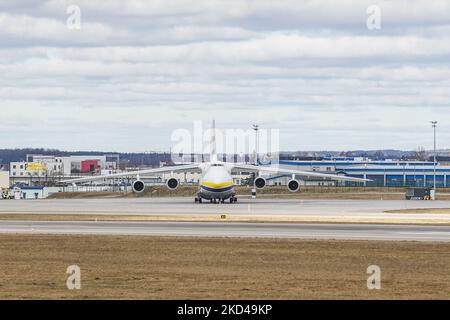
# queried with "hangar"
point(386, 173)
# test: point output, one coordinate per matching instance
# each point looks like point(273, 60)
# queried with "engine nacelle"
point(172, 184)
point(260, 183)
point(293, 185)
point(138, 186)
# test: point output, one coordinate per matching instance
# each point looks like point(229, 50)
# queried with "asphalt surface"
point(179, 205)
point(334, 209)
point(225, 229)
point(346, 210)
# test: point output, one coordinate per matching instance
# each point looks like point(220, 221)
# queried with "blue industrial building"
point(389, 173)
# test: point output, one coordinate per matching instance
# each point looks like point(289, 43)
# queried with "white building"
point(36, 169)
point(34, 193)
point(76, 163)
point(67, 166)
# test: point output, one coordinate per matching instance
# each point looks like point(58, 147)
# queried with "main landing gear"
point(200, 200)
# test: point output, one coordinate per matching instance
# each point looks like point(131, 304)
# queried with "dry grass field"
point(121, 267)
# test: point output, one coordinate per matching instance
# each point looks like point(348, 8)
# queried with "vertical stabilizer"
point(213, 157)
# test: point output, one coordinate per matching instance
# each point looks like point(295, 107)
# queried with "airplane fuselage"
point(217, 183)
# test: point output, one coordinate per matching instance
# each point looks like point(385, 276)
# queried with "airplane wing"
point(297, 172)
point(135, 173)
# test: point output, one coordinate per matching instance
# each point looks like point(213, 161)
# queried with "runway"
point(224, 229)
point(186, 205)
point(344, 211)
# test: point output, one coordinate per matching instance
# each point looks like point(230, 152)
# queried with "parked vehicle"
point(419, 194)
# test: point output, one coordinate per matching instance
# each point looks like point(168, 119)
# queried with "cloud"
point(137, 70)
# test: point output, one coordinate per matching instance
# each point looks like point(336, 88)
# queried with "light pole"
point(434, 124)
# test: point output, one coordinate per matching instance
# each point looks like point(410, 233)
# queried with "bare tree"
point(420, 154)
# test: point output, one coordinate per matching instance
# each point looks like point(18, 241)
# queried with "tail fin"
point(213, 156)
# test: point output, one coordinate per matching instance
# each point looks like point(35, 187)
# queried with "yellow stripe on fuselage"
point(218, 185)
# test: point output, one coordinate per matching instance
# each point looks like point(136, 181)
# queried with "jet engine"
point(172, 184)
point(260, 183)
point(293, 185)
point(138, 186)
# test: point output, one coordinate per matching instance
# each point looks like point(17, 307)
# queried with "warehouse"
point(389, 173)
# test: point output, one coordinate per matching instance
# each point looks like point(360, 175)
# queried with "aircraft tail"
point(213, 156)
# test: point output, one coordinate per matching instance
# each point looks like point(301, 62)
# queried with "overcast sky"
point(137, 70)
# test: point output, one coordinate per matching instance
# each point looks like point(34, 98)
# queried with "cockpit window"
point(217, 165)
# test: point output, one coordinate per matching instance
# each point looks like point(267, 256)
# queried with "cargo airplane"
point(216, 184)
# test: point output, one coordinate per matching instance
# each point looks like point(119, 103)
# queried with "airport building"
point(386, 173)
point(39, 168)
point(383, 173)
